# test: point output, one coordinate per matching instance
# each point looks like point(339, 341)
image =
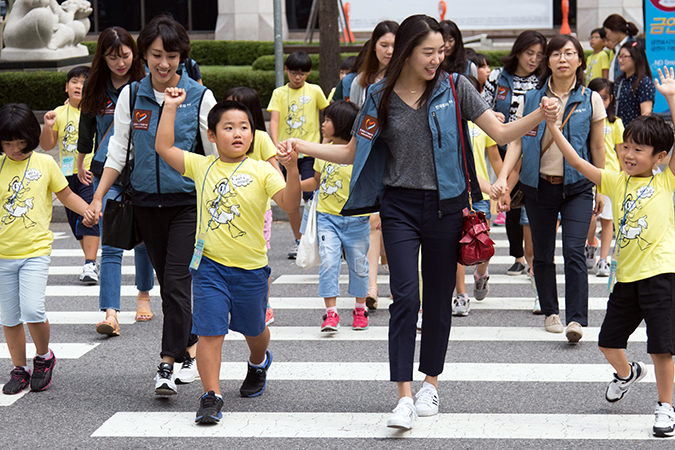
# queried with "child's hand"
point(498, 189)
point(666, 84)
point(50, 119)
point(89, 219)
point(174, 96)
point(285, 150)
point(504, 203)
point(551, 109)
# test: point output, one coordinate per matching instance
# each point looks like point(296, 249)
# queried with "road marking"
point(87, 317)
point(7, 400)
point(92, 291)
point(76, 270)
point(62, 351)
point(384, 279)
point(362, 371)
point(373, 425)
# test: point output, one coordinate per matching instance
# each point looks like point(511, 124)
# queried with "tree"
point(329, 45)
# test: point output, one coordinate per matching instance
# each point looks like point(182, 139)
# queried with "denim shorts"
point(335, 234)
point(22, 297)
point(483, 205)
point(228, 298)
point(524, 220)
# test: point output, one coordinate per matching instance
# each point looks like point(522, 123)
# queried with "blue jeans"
point(352, 234)
point(111, 265)
point(22, 297)
point(576, 211)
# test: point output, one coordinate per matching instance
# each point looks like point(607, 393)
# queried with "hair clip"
point(634, 43)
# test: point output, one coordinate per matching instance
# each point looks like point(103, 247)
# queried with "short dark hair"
point(554, 45)
point(348, 63)
point(600, 31)
point(478, 59)
point(173, 34)
point(342, 114)
point(298, 61)
point(525, 40)
point(17, 122)
point(249, 97)
point(600, 84)
point(77, 72)
point(650, 130)
point(224, 106)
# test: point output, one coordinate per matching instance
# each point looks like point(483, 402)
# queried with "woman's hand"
point(499, 189)
point(504, 203)
point(551, 108)
point(499, 116)
point(285, 150)
point(174, 96)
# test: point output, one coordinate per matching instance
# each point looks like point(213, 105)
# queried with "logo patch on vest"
point(368, 128)
point(142, 119)
point(502, 92)
point(533, 132)
point(109, 109)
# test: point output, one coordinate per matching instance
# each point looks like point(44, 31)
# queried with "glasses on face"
point(569, 54)
point(297, 73)
point(537, 56)
point(624, 56)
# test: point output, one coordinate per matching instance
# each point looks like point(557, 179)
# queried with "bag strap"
point(461, 136)
point(126, 181)
point(105, 135)
point(543, 150)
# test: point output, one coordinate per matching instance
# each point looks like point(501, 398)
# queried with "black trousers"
point(169, 236)
point(410, 220)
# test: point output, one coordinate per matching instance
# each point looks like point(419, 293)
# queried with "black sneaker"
point(20, 379)
point(42, 373)
point(516, 269)
point(209, 408)
point(256, 379)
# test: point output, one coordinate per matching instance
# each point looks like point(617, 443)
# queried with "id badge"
point(199, 250)
point(612, 276)
point(68, 165)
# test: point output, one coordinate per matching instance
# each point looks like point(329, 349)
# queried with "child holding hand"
point(229, 266)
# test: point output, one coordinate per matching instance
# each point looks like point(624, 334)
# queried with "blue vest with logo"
point(503, 94)
point(154, 182)
point(366, 189)
point(577, 131)
point(104, 122)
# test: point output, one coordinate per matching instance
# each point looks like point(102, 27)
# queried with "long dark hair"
point(368, 70)
point(410, 34)
point(249, 98)
point(618, 24)
point(456, 61)
point(639, 57)
point(525, 40)
point(599, 84)
point(554, 45)
point(110, 42)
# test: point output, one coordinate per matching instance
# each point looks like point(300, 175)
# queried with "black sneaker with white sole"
point(256, 379)
point(210, 405)
point(164, 384)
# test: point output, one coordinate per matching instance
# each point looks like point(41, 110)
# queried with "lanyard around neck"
point(220, 194)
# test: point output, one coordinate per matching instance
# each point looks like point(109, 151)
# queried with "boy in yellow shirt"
point(229, 267)
point(61, 127)
point(597, 64)
point(644, 262)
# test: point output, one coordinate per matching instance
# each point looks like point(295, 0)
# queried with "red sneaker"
point(331, 322)
point(360, 319)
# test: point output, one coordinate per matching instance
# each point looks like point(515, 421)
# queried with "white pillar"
point(247, 20)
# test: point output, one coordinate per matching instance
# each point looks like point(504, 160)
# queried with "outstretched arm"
point(288, 198)
point(665, 84)
point(338, 154)
point(174, 156)
point(584, 167)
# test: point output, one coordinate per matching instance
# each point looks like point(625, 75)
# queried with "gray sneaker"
point(618, 388)
point(480, 285)
point(602, 268)
point(460, 305)
point(590, 255)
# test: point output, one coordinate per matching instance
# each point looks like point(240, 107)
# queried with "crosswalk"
point(500, 347)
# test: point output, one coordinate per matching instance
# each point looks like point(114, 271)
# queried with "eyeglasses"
point(537, 56)
point(624, 56)
point(568, 55)
point(296, 73)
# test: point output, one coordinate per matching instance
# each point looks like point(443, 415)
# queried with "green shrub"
point(91, 45)
point(267, 62)
point(39, 90)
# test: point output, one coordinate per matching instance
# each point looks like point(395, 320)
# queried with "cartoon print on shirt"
point(633, 226)
point(222, 209)
point(69, 142)
point(296, 116)
point(17, 205)
point(331, 183)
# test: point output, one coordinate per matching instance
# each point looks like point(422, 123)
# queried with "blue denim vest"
point(577, 131)
point(366, 189)
point(154, 182)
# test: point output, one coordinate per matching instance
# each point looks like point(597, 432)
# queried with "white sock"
point(425, 384)
point(261, 365)
point(46, 355)
point(406, 400)
point(25, 368)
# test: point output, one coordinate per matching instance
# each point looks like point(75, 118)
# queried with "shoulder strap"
point(199, 144)
point(461, 137)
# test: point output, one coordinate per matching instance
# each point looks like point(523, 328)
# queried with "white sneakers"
point(618, 387)
point(405, 413)
point(664, 420)
point(89, 273)
point(164, 384)
point(187, 373)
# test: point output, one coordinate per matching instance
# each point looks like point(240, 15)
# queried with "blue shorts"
point(228, 298)
point(483, 205)
point(524, 220)
point(74, 219)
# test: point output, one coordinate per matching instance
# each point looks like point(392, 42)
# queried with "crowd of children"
point(230, 165)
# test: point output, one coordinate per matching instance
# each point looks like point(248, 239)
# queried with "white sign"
point(364, 15)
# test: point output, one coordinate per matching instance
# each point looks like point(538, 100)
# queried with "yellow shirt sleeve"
point(275, 101)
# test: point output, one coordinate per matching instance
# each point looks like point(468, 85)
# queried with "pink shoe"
point(331, 322)
point(360, 319)
point(500, 219)
point(269, 315)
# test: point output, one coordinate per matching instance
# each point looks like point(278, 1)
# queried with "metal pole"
point(189, 12)
point(278, 45)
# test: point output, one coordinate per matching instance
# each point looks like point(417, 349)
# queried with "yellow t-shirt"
point(263, 147)
point(646, 242)
point(613, 137)
point(26, 196)
point(595, 64)
point(334, 186)
point(67, 126)
point(298, 111)
point(479, 142)
point(235, 224)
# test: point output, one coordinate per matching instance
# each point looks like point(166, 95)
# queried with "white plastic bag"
point(308, 250)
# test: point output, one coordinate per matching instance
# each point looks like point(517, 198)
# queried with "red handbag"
point(475, 246)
